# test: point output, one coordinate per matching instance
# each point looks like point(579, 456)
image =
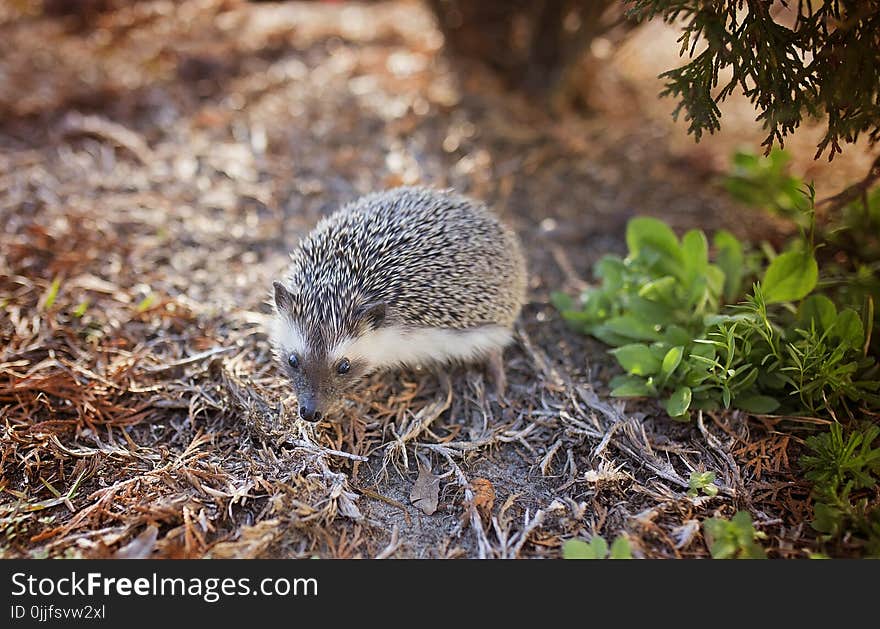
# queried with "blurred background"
point(221, 122)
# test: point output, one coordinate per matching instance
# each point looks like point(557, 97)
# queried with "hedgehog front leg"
point(495, 367)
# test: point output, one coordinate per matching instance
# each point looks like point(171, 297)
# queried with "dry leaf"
point(484, 497)
point(426, 490)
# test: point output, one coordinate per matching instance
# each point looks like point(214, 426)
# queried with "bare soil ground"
point(157, 165)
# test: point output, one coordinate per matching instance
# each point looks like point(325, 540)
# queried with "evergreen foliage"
point(793, 60)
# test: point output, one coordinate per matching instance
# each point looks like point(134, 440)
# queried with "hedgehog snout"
point(308, 409)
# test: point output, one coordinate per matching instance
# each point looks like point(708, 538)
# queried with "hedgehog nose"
point(307, 411)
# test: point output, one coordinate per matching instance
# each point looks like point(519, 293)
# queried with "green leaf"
point(714, 281)
point(612, 270)
point(827, 518)
point(561, 301)
point(848, 328)
point(637, 359)
point(734, 538)
point(146, 303)
point(818, 309)
point(631, 386)
point(759, 404)
point(714, 527)
point(699, 296)
point(606, 335)
point(714, 319)
point(632, 327)
point(661, 289)
point(599, 547)
point(702, 481)
point(742, 527)
point(576, 549)
point(731, 260)
point(745, 381)
point(723, 549)
point(703, 349)
point(695, 250)
point(80, 310)
point(752, 551)
point(772, 380)
point(813, 555)
point(647, 311)
point(676, 335)
point(671, 361)
point(745, 161)
point(620, 549)
point(52, 293)
point(791, 276)
point(576, 317)
point(650, 234)
point(679, 402)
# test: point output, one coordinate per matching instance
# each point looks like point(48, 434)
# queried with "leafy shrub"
point(684, 328)
point(844, 468)
point(852, 230)
point(662, 308)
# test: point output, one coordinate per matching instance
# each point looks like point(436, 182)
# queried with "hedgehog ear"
point(372, 313)
point(283, 298)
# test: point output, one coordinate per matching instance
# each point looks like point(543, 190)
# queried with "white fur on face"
point(287, 336)
point(394, 347)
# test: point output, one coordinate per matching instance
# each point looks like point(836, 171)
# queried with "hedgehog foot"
point(495, 367)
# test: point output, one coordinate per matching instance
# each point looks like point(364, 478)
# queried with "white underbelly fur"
point(394, 347)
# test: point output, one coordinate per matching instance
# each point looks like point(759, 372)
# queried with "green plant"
point(663, 308)
point(702, 481)
point(597, 548)
point(51, 294)
point(844, 467)
point(146, 303)
point(764, 182)
point(850, 228)
point(734, 538)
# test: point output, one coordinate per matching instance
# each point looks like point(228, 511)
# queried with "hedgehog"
point(408, 277)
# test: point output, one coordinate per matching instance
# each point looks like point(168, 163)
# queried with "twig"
point(420, 422)
point(313, 447)
point(523, 536)
point(190, 359)
point(75, 123)
point(607, 438)
point(392, 546)
point(369, 493)
point(484, 548)
point(713, 442)
point(565, 265)
point(539, 358)
point(853, 192)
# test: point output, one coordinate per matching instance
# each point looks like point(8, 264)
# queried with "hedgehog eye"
point(293, 361)
point(343, 367)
